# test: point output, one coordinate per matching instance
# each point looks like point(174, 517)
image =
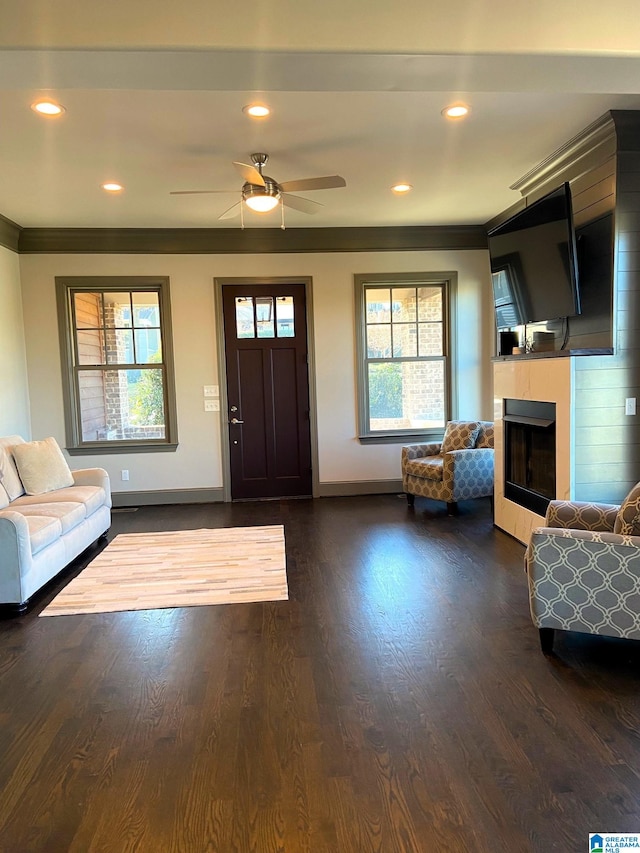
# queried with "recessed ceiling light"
point(455, 111)
point(47, 108)
point(401, 188)
point(256, 110)
point(112, 187)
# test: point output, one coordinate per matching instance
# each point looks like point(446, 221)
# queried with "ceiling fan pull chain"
point(282, 212)
point(241, 216)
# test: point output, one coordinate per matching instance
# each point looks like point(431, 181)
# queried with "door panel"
point(268, 384)
point(285, 413)
point(252, 455)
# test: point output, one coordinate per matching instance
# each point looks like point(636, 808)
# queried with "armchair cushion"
point(430, 467)
point(486, 434)
point(460, 435)
point(628, 517)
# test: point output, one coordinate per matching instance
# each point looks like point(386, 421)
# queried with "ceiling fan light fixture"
point(256, 110)
point(261, 199)
point(261, 203)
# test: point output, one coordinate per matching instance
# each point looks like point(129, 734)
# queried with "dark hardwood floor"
point(398, 701)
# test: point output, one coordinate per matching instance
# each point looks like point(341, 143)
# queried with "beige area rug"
point(184, 568)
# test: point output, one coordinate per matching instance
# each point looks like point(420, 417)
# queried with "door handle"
point(235, 421)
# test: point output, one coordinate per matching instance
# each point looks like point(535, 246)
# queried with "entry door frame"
point(218, 284)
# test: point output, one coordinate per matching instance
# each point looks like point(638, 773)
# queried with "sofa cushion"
point(43, 530)
point(69, 514)
point(4, 497)
point(42, 466)
point(628, 518)
point(93, 497)
point(9, 474)
point(428, 467)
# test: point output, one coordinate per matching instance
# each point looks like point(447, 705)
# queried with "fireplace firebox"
point(530, 453)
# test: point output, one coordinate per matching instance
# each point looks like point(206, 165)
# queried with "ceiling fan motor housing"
point(270, 188)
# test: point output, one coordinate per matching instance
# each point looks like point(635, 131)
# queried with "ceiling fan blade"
point(327, 183)
point(234, 210)
point(199, 192)
point(305, 205)
point(250, 174)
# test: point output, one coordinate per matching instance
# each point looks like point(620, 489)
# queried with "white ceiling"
point(154, 94)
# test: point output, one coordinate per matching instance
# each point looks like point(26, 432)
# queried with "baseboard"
point(203, 496)
point(167, 496)
point(359, 487)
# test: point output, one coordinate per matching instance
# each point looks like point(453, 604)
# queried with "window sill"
point(120, 447)
point(402, 438)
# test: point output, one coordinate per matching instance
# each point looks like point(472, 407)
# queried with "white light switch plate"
point(211, 391)
point(630, 406)
point(212, 405)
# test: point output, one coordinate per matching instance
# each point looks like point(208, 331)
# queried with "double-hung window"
point(404, 364)
point(117, 364)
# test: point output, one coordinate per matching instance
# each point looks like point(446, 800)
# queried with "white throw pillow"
point(9, 475)
point(42, 466)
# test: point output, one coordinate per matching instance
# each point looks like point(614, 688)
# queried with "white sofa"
point(41, 534)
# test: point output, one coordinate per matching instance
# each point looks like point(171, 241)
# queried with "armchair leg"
point(546, 640)
point(411, 499)
point(452, 508)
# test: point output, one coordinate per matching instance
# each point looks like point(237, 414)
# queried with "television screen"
point(533, 263)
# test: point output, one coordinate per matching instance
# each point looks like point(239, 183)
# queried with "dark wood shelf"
point(555, 354)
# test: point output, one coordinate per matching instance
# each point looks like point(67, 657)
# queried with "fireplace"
point(530, 453)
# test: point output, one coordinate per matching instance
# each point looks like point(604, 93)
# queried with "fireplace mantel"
point(537, 380)
point(564, 353)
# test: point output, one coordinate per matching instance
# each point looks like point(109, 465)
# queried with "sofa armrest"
point(419, 451)
point(93, 477)
point(15, 552)
point(581, 515)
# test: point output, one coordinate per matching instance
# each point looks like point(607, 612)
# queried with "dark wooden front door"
point(267, 390)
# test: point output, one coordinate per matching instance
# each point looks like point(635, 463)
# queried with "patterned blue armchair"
point(583, 569)
point(458, 468)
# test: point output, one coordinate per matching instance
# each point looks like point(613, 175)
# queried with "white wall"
point(197, 462)
point(14, 398)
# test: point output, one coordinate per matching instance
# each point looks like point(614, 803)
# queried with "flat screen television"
point(534, 266)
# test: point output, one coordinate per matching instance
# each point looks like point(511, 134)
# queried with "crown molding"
point(577, 156)
point(627, 124)
point(221, 241)
point(9, 234)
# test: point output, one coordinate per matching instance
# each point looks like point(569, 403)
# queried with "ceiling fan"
point(262, 193)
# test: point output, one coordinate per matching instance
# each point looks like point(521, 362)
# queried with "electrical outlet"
point(212, 405)
point(124, 474)
point(630, 406)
